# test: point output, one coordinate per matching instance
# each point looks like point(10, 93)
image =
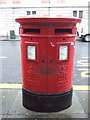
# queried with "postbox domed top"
point(48, 19)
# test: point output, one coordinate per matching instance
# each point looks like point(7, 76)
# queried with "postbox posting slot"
point(63, 31)
point(31, 31)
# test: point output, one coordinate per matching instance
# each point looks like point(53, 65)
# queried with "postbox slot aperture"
point(63, 31)
point(31, 31)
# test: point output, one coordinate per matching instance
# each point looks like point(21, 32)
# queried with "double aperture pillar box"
point(47, 51)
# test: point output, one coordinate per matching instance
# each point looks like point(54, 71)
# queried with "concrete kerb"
point(7, 38)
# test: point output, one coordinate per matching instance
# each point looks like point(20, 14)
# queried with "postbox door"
point(60, 65)
point(36, 65)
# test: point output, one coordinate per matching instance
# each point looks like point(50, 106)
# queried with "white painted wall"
point(9, 11)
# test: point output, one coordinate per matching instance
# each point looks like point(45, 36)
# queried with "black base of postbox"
point(47, 102)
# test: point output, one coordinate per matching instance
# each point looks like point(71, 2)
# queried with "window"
point(16, 1)
point(2, 1)
point(80, 14)
point(60, 1)
point(28, 12)
point(33, 12)
point(45, 1)
point(12, 34)
point(75, 13)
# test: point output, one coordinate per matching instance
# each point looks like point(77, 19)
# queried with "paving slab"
point(84, 98)
point(18, 111)
point(1, 114)
point(8, 98)
point(0, 102)
point(3, 117)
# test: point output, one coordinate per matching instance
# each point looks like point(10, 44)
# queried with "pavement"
point(12, 106)
point(11, 93)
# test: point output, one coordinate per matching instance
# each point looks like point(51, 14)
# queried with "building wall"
point(11, 9)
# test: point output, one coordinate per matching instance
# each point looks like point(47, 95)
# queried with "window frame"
point(74, 13)
point(81, 15)
point(33, 12)
point(29, 12)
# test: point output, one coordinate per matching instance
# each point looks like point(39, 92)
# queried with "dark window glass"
point(33, 12)
point(28, 12)
point(80, 14)
point(75, 13)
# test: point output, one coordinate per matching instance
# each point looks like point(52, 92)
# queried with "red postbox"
point(47, 50)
